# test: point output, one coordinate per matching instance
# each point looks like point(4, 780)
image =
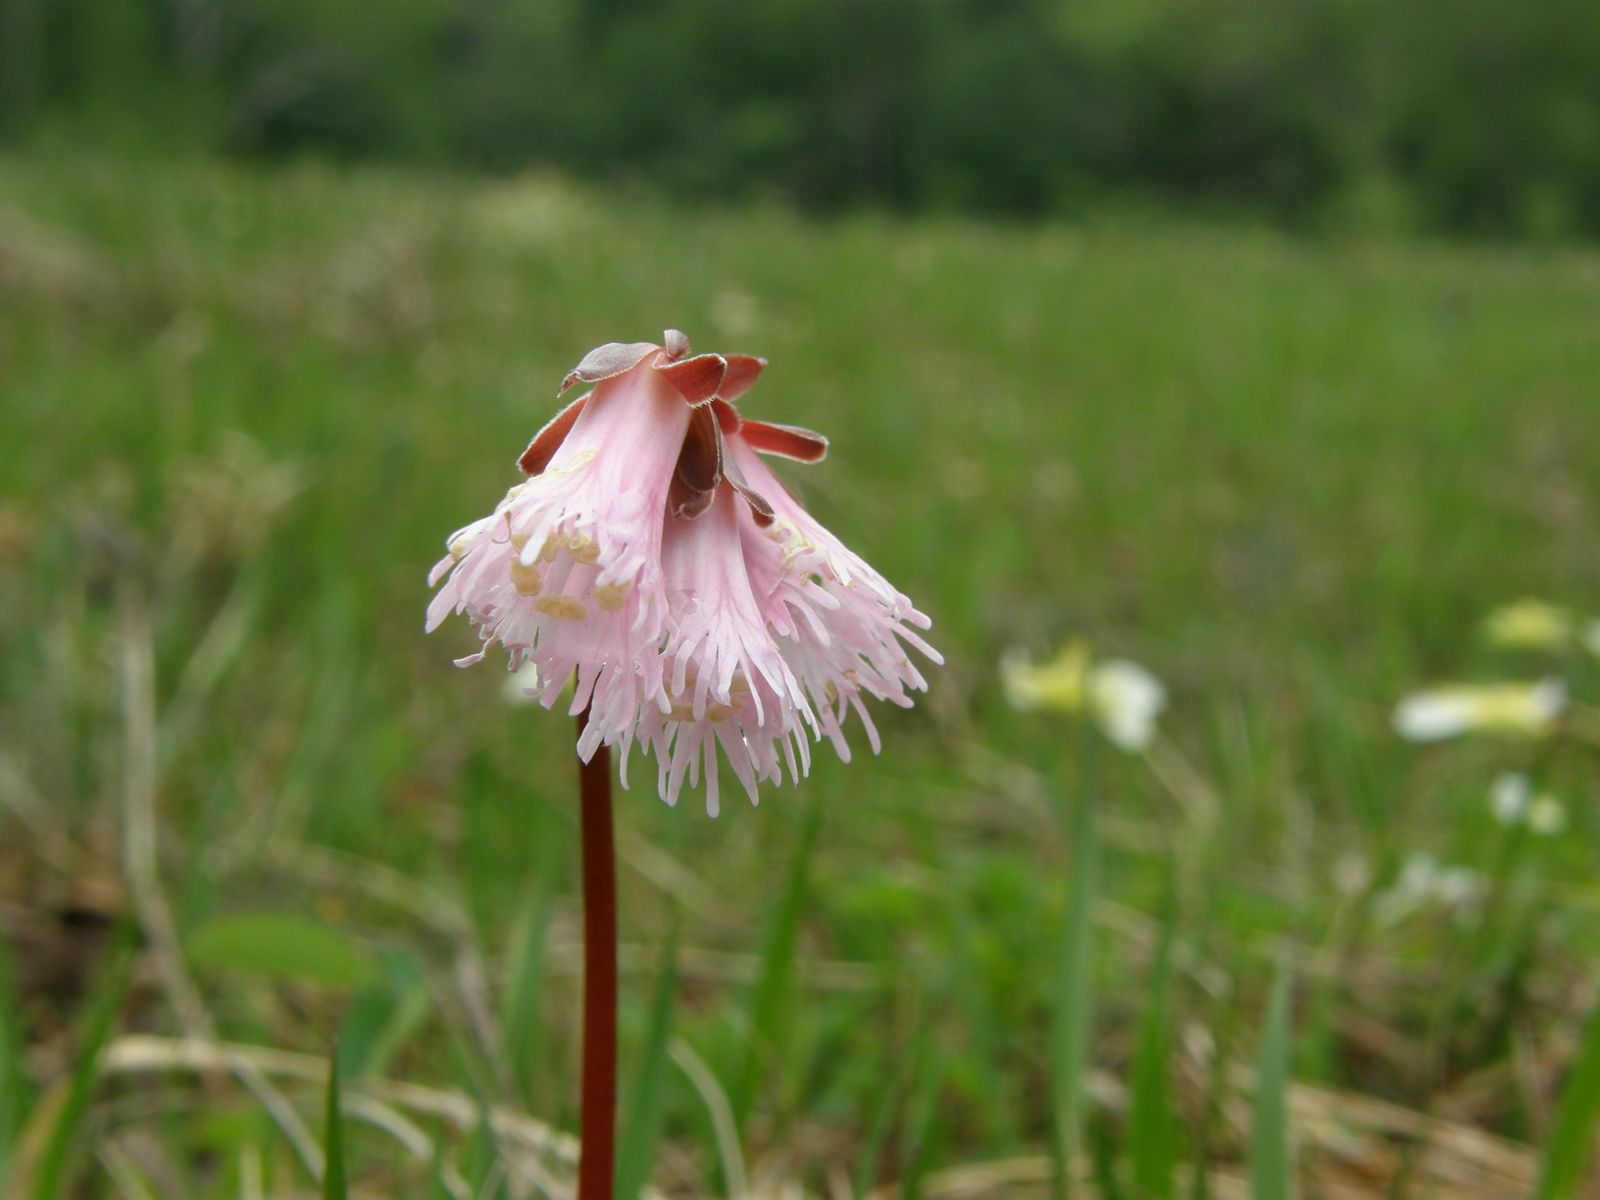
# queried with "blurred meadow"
point(250, 818)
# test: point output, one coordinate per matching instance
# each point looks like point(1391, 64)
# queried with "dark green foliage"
point(1470, 115)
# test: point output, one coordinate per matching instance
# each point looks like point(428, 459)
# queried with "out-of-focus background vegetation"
point(1254, 342)
point(1475, 116)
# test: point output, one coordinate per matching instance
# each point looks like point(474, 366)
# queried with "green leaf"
point(636, 1150)
point(1152, 1123)
point(1269, 1138)
point(1567, 1151)
point(335, 1186)
point(280, 945)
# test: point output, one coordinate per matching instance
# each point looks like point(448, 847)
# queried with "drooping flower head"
point(652, 558)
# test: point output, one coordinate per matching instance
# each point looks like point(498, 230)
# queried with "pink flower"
point(652, 556)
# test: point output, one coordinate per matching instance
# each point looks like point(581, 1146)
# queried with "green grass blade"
point(922, 1136)
point(383, 1016)
point(770, 1003)
point(54, 1161)
point(521, 1014)
point(335, 1186)
point(871, 1156)
point(636, 1150)
point(1103, 1160)
point(1152, 1122)
point(1567, 1151)
point(14, 1089)
point(1074, 1003)
point(1269, 1137)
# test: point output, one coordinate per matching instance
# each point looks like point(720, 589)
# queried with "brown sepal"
point(788, 441)
point(548, 440)
point(603, 362)
point(759, 508)
point(743, 371)
point(696, 378)
point(727, 417)
point(700, 466)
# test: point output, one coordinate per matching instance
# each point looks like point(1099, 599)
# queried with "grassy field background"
point(243, 408)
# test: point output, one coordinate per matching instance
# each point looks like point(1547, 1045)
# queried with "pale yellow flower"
point(1060, 684)
point(1517, 709)
point(1121, 697)
point(1591, 637)
point(1547, 816)
point(1529, 625)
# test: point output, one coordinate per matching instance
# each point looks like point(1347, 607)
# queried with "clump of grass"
point(231, 383)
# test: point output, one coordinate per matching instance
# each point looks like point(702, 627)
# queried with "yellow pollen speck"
point(611, 596)
point(583, 549)
point(563, 608)
point(582, 458)
point(525, 578)
point(548, 551)
point(719, 712)
point(519, 541)
point(458, 548)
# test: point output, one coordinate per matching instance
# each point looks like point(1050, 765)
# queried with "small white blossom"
point(1455, 886)
point(1127, 699)
point(1509, 797)
point(1513, 802)
point(1422, 881)
point(1122, 698)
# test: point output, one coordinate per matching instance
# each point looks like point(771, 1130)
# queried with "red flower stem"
point(597, 1158)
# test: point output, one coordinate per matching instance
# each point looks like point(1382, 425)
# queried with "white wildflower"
point(1123, 698)
point(1509, 797)
point(1127, 700)
point(1525, 709)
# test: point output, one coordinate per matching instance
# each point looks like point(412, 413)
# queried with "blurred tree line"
point(1479, 116)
